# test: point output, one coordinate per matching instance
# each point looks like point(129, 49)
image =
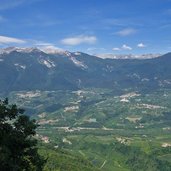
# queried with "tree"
point(18, 151)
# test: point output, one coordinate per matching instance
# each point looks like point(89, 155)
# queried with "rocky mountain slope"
point(31, 69)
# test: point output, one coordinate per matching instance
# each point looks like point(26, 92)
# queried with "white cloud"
point(141, 45)
point(116, 49)
point(126, 32)
point(47, 47)
point(6, 40)
point(50, 48)
point(126, 47)
point(72, 41)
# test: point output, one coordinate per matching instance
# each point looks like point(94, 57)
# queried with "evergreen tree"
point(18, 151)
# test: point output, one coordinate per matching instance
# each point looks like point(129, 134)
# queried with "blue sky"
point(91, 26)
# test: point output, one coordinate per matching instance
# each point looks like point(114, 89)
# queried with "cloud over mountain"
point(6, 40)
point(72, 41)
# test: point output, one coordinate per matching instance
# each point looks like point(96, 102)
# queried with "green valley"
point(103, 129)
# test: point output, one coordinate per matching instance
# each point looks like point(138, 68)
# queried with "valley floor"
point(104, 130)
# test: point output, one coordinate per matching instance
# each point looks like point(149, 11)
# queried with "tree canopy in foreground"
point(18, 149)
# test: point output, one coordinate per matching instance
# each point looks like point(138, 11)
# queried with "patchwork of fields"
point(111, 131)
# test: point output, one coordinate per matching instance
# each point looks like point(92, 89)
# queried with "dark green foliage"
point(18, 150)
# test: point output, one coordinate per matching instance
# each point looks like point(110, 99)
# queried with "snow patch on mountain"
point(48, 63)
point(20, 66)
point(77, 53)
point(67, 53)
point(78, 63)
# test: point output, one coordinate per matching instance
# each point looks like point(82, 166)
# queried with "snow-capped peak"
point(51, 50)
point(55, 51)
point(128, 56)
point(7, 50)
point(18, 49)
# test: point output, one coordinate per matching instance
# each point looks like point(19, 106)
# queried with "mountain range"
point(33, 68)
point(128, 56)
